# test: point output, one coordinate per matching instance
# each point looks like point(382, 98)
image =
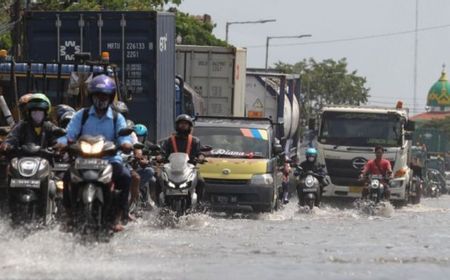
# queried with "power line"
point(357, 38)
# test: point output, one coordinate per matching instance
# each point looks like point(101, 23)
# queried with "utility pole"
point(14, 18)
point(416, 43)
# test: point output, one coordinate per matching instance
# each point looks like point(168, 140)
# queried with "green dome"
point(439, 94)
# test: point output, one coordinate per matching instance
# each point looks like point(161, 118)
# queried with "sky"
point(386, 61)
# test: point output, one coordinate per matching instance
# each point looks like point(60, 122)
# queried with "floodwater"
point(327, 243)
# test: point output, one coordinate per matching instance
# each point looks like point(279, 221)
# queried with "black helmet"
point(121, 107)
point(186, 118)
point(61, 109)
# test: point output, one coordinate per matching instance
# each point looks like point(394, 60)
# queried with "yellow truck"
point(243, 166)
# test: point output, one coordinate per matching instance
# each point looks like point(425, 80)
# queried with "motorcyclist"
point(64, 114)
point(310, 164)
point(100, 119)
point(377, 166)
point(34, 128)
point(23, 101)
point(286, 171)
point(183, 141)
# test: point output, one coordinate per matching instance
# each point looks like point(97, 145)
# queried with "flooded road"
point(329, 243)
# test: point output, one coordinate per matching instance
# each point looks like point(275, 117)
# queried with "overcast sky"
point(387, 62)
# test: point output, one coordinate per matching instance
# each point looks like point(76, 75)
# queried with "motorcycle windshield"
point(178, 162)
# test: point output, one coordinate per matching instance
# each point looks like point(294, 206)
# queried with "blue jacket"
point(97, 126)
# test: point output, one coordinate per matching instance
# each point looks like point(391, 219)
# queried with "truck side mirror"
point(312, 124)
point(408, 136)
point(410, 126)
point(277, 149)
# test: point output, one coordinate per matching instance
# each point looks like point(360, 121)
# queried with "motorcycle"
point(376, 188)
point(179, 181)
point(31, 186)
point(433, 186)
point(92, 190)
point(308, 188)
point(416, 190)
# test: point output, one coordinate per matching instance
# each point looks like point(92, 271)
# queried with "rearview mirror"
point(59, 132)
point(410, 126)
point(206, 148)
point(408, 136)
point(126, 131)
point(277, 149)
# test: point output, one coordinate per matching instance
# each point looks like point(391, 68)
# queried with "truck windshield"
point(234, 141)
point(361, 129)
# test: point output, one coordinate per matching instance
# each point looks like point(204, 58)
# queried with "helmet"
point(66, 118)
point(140, 130)
point(62, 109)
point(23, 101)
point(39, 101)
point(311, 152)
point(184, 117)
point(102, 84)
point(121, 107)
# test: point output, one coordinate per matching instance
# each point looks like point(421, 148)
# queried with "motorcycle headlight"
point(262, 179)
point(95, 148)
point(28, 167)
point(171, 185)
point(309, 181)
point(375, 184)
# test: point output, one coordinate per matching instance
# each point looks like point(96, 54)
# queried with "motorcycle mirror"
point(277, 149)
point(59, 132)
point(154, 147)
point(138, 146)
point(206, 148)
point(31, 148)
point(4, 131)
point(125, 131)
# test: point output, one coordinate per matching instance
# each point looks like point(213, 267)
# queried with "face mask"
point(37, 116)
point(311, 159)
point(101, 105)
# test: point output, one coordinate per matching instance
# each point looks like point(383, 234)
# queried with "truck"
point(275, 96)
point(217, 74)
point(140, 44)
point(346, 139)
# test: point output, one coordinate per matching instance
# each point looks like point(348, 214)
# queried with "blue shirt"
point(95, 126)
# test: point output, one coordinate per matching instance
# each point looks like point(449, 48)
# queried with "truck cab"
point(346, 140)
point(242, 169)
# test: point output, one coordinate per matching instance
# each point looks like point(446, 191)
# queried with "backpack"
point(86, 116)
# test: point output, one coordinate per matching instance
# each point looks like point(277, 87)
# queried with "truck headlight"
point(262, 179)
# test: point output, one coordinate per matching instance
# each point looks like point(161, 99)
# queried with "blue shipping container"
point(141, 44)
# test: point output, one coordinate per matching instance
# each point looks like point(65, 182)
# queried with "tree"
point(327, 82)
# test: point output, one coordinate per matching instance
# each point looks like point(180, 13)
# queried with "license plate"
point(355, 189)
point(25, 183)
point(309, 190)
point(90, 163)
point(61, 167)
point(222, 199)
point(177, 191)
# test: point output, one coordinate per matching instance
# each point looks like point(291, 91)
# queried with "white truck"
point(346, 140)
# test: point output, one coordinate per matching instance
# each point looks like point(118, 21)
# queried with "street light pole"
point(227, 26)
point(280, 37)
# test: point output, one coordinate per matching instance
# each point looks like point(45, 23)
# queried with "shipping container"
point(141, 44)
point(217, 74)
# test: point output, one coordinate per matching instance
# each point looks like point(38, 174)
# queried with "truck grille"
point(343, 173)
point(226, 182)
